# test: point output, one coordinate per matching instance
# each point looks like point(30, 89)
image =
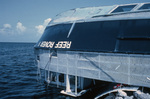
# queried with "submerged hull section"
point(122, 36)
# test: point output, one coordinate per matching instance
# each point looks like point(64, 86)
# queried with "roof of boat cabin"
point(92, 12)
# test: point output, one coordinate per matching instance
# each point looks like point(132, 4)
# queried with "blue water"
point(18, 74)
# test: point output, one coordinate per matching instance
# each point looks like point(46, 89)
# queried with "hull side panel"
point(121, 68)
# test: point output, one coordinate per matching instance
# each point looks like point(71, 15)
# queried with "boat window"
point(123, 8)
point(61, 78)
point(145, 6)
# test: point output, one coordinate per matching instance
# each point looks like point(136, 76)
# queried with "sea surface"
point(18, 74)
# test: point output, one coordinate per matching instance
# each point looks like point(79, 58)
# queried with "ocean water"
point(18, 74)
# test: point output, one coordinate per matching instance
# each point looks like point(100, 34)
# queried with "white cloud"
point(20, 28)
point(6, 29)
point(40, 28)
point(7, 26)
point(47, 21)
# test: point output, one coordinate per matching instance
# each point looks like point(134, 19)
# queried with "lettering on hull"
point(52, 44)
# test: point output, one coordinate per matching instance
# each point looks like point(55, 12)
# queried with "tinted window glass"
point(124, 8)
point(145, 6)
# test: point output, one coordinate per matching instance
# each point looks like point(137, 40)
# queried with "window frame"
point(112, 11)
point(142, 6)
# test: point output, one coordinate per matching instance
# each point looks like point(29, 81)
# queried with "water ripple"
point(18, 74)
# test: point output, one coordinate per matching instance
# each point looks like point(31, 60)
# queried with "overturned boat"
point(96, 47)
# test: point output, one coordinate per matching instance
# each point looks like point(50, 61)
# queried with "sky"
point(25, 20)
